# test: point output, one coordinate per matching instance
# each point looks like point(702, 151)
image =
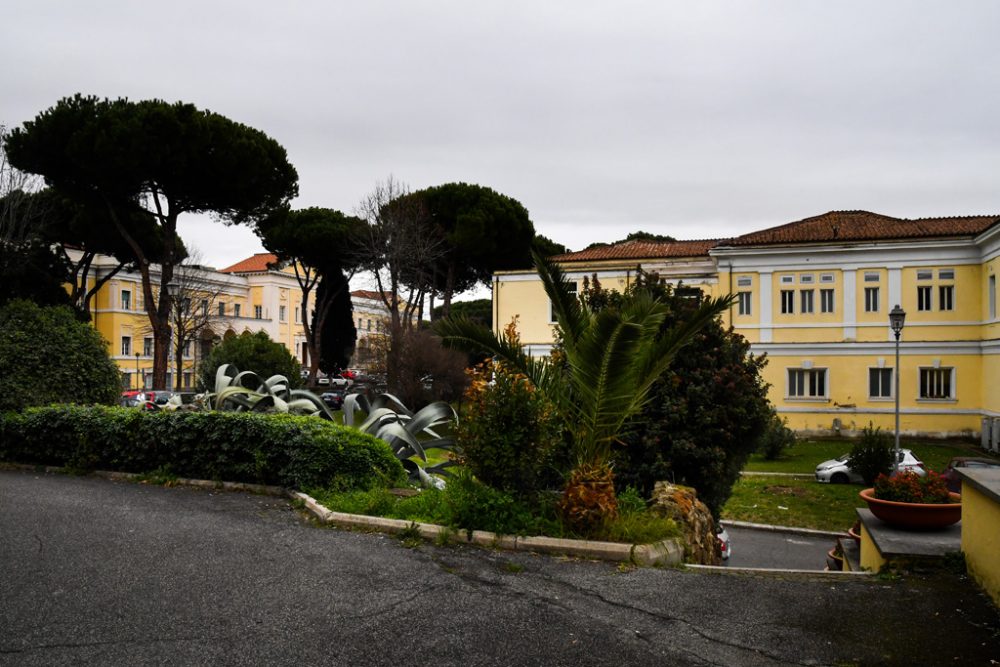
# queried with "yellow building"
point(815, 295)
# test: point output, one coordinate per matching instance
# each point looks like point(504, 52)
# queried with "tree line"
point(111, 177)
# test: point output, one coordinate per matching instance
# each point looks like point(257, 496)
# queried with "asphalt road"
point(112, 573)
point(776, 549)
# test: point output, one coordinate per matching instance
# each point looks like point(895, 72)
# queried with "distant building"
point(815, 296)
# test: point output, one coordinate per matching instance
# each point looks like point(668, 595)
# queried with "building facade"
point(255, 294)
point(815, 295)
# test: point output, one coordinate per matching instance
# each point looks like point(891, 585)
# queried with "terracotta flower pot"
point(919, 516)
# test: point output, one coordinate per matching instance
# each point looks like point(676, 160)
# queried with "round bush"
point(49, 356)
point(871, 456)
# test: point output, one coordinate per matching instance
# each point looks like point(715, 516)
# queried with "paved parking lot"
point(99, 572)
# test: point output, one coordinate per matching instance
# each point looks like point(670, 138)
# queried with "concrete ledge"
point(724, 569)
point(782, 529)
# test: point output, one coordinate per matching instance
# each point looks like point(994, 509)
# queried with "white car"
point(838, 470)
point(725, 544)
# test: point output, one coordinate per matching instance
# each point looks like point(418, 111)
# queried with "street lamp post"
point(138, 378)
point(897, 316)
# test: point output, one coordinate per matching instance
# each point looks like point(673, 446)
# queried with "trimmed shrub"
point(283, 450)
point(49, 356)
point(508, 435)
point(871, 456)
point(254, 351)
point(776, 439)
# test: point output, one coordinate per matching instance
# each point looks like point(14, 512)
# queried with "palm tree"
point(612, 358)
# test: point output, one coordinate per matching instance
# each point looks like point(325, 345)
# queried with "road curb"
point(774, 571)
point(783, 529)
point(662, 553)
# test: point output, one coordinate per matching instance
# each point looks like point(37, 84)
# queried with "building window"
point(126, 346)
point(946, 274)
point(806, 279)
point(222, 309)
point(946, 297)
point(126, 299)
point(186, 306)
point(236, 310)
point(258, 312)
point(187, 379)
point(871, 299)
point(879, 383)
point(369, 328)
point(787, 280)
point(787, 301)
point(187, 349)
point(807, 383)
point(871, 276)
point(571, 287)
point(147, 347)
point(359, 324)
point(745, 301)
point(826, 277)
point(925, 275)
point(991, 294)
point(937, 383)
point(806, 299)
point(281, 313)
point(826, 300)
point(204, 307)
point(745, 281)
point(923, 297)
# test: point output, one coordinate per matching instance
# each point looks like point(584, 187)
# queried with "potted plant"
point(908, 500)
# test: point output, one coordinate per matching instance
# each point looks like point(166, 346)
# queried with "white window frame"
point(806, 279)
point(787, 280)
point(925, 298)
point(147, 346)
point(881, 397)
point(744, 281)
point(258, 312)
point(236, 310)
point(126, 347)
point(806, 381)
point(991, 292)
point(946, 274)
point(872, 277)
point(282, 313)
point(826, 278)
point(745, 303)
point(946, 297)
point(937, 370)
point(872, 304)
point(925, 275)
point(787, 302)
point(572, 288)
point(827, 300)
point(126, 297)
point(807, 301)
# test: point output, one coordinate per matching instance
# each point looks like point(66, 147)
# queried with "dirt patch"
point(796, 491)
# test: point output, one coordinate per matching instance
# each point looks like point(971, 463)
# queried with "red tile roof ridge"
point(640, 249)
point(256, 263)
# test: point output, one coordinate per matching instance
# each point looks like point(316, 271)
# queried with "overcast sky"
point(695, 119)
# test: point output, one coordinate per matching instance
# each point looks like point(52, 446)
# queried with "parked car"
point(950, 475)
point(838, 470)
point(725, 544)
point(333, 399)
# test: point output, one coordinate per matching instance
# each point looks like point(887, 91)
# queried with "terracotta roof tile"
point(367, 294)
point(837, 226)
point(257, 264)
point(641, 250)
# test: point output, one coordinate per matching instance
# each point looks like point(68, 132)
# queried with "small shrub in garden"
point(909, 487)
point(872, 454)
point(776, 439)
point(47, 355)
point(508, 434)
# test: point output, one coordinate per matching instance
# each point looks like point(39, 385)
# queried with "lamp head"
point(897, 317)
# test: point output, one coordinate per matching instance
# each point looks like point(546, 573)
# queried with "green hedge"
point(284, 450)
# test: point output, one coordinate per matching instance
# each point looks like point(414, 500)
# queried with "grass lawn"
point(805, 503)
point(807, 454)
point(802, 503)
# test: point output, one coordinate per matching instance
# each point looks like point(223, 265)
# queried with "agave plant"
point(612, 359)
point(408, 434)
point(246, 391)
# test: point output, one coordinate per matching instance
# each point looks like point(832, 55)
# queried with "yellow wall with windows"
point(527, 300)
